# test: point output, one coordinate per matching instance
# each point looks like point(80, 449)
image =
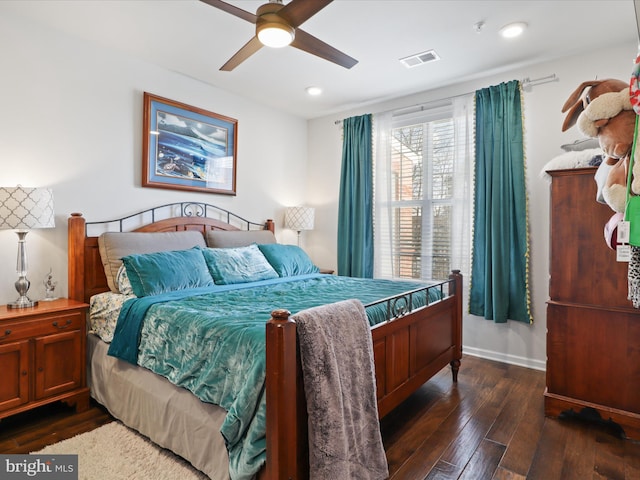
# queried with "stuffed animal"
point(602, 109)
point(584, 94)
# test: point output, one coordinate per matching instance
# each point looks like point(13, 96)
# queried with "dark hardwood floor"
point(31, 431)
point(490, 425)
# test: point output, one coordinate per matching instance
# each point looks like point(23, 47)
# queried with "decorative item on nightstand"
point(22, 209)
point(49, 286)
point(299, 218)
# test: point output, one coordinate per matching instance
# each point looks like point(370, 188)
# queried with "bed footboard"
point(408, 350)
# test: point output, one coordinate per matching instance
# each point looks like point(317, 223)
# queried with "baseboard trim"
point(505, 358)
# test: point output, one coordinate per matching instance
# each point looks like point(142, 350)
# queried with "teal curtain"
point(499, 270)
point(355, 209)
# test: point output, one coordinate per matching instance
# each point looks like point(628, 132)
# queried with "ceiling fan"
point(277, 26)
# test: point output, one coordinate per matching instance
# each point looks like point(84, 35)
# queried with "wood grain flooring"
point(491, 425)
point(488, 426)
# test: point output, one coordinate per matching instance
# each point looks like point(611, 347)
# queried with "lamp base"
point(23, 302)
point(22, 284)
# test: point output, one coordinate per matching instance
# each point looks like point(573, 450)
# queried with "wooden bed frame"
point(409, 348)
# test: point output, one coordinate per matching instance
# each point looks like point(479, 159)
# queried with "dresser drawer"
point(52, 323)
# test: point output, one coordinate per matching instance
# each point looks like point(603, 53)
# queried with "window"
point(422, 194)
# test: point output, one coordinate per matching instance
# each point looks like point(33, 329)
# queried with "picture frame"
point(187, 148)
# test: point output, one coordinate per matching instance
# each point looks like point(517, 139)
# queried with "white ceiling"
point(195, 39)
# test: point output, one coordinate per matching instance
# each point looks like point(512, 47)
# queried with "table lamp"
point(22, 209)
point(299, 218)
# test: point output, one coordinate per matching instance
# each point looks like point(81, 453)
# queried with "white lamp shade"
point(299, 218)
point(23, 208)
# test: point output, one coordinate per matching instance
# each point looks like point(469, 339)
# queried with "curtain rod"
point(532, 82)
point(525, 83)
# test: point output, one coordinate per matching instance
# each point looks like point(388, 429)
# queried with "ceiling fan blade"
point(311, 44)
point(296, 12)
point(232, 9)
point(251, 47)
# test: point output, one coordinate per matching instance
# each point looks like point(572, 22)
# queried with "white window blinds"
point(422, 194)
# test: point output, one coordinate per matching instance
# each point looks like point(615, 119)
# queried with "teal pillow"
point(161, 272)
point(238, 265)
point(288, 260)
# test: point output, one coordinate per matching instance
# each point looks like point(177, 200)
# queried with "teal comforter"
point(211, 341)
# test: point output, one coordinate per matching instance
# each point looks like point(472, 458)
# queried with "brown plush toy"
point(584, 95)
point(602, 109)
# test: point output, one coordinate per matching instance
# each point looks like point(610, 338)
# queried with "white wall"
point(71, 119)
point(513, 342)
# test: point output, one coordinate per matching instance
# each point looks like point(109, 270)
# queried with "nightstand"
point(42, 356)
point(327, 271)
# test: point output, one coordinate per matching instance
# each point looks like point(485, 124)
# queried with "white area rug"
point(115, 452)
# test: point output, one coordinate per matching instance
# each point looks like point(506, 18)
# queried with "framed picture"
point(187, 148)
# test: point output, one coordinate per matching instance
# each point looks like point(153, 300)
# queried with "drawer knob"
point(66, 324)
point(24, 373)
point(7, 332)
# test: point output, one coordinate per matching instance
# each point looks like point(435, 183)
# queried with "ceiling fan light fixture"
point(276, 25)
point(275, 34)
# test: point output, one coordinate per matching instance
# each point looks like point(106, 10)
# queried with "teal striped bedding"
point(211, 342)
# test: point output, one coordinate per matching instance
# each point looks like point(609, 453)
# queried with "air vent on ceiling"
point(420, 59)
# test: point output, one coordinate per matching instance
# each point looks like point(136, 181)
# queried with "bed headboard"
point(86, 272)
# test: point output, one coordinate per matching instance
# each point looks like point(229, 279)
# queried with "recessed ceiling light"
point(314, 91)
point(513, 29)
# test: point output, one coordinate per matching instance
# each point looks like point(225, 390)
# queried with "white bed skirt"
point(170, 416)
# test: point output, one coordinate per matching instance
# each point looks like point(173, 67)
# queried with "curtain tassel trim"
point(527, 226)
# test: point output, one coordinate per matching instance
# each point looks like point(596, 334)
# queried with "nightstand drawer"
point(53, 323)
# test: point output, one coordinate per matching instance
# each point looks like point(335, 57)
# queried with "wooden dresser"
point(593, 331)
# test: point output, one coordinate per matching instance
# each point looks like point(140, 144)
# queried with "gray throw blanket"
point(339, 382)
